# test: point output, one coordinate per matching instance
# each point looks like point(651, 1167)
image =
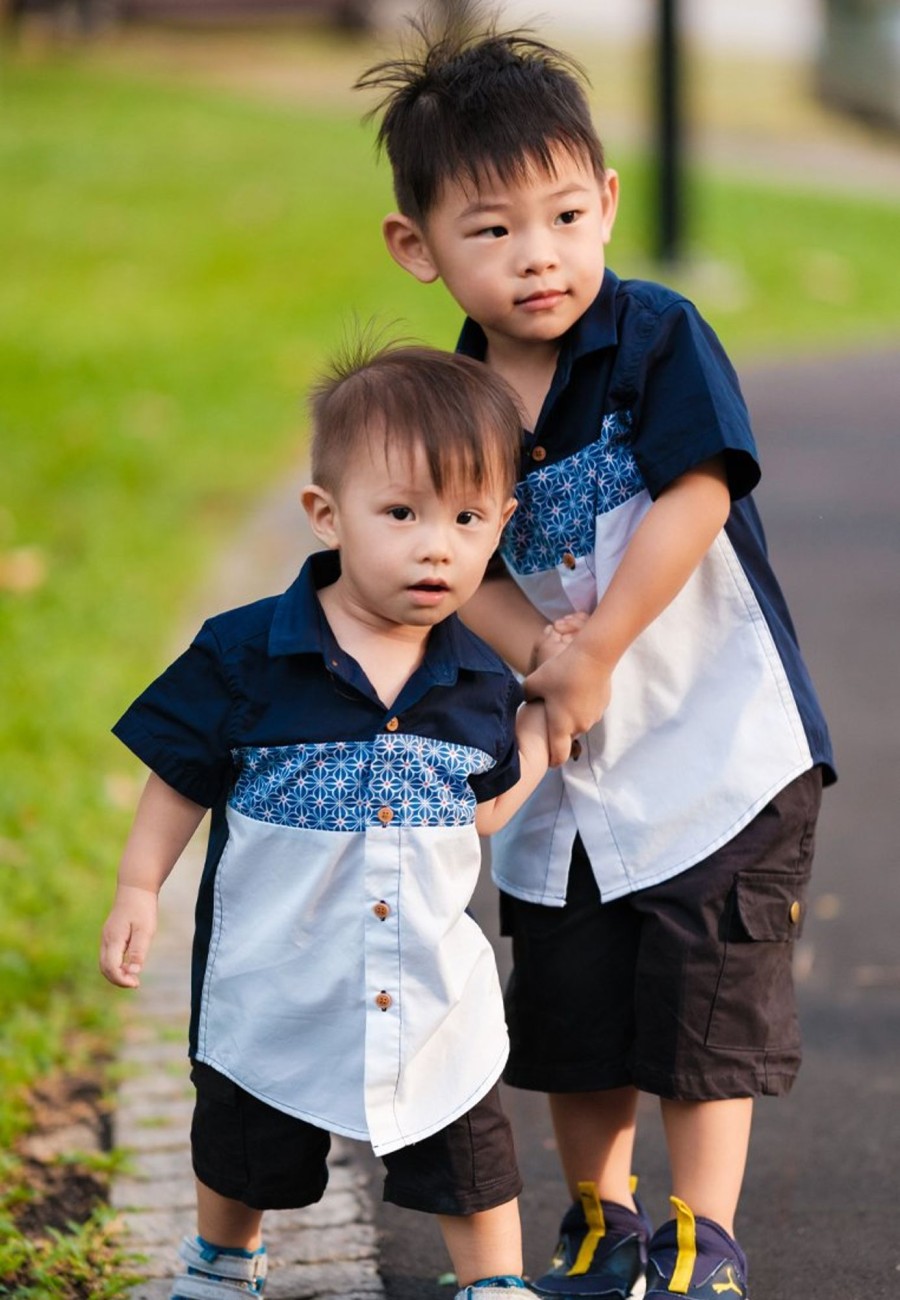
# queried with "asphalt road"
point(820, 1208)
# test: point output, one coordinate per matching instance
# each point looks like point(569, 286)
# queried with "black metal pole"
point(670, 211)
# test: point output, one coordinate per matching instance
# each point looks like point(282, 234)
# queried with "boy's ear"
point(610, 203)
point(321, 512)
point(406, 245)
point(507, 512)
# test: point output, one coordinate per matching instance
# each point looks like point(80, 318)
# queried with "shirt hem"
point(364, 1135)
point(611, 892)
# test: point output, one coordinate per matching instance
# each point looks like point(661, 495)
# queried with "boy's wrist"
point(597, 648)
point(126, 888)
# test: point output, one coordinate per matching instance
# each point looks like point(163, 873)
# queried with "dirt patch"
point(71, 1126)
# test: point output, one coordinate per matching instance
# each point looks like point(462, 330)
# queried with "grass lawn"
point(177, 263)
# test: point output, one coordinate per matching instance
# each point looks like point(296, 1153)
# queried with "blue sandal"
point(219, 1272)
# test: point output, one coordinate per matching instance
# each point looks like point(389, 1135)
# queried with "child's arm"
point(534, 755)
point(501, 614)
point(163, 825)
point(669, 543)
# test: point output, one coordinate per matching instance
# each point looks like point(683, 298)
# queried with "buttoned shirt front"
point(337, 974)
point(712, 709)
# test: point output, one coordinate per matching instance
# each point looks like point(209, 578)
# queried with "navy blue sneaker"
point(694, 1257)
point(602, 1251)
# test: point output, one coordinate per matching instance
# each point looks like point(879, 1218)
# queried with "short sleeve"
point(180, 726)
point(505, 772)
point(690, 406)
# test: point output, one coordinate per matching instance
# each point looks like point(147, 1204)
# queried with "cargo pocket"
point(754, 1007)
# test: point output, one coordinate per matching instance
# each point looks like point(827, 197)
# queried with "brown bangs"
point(464, 418)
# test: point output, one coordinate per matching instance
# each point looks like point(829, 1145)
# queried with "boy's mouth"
point(542, 299)
point(429, 591)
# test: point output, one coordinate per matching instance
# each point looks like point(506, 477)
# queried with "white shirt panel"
point(312, 966)
point(700, 703)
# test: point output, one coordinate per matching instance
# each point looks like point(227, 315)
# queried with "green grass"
point(175, 266)
point(82, 1264)
point(177, 263)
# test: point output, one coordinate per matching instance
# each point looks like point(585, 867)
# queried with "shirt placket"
point(381, 900)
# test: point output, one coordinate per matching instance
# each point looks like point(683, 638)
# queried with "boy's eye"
point(495, 232)
point(566, 218)
point(400, 512)
point(466, 517)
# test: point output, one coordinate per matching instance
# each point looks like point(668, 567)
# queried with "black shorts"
point(253, 1153)
point(684, 989)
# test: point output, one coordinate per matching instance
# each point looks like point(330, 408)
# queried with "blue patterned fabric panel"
point(559, 505)
point(343, 785)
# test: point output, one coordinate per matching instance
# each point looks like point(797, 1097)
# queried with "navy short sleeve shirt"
point(712, 709)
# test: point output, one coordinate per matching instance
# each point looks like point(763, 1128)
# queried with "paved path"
point(826, 429)
point(770, 28)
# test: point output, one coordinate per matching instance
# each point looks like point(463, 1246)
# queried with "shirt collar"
point(299, 626)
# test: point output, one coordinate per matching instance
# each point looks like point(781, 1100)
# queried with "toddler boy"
point(352, 739)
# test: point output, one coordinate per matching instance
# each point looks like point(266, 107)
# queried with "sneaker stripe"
point(686, 1236)
point(593, 1213)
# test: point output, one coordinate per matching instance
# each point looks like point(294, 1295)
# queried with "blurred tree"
point(90, 14)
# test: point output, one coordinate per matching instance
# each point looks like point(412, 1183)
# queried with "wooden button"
point(539, 453)
point(794, 912)
point(568, 560)
point(385, 815)
point(382, 910)
point(383, 1000)
point(392, 724)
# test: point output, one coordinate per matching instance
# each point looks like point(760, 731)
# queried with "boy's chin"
point(547, 328)
point(430, 614)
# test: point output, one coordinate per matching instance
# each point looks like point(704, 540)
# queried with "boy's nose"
point(435, 544)
point(538, 254)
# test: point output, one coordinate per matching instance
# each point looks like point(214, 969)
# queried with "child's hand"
point(127, 935)
point(556, 636)
point(576, 688)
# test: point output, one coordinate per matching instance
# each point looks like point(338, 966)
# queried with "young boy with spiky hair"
point(654, 885)
point(352, 739)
